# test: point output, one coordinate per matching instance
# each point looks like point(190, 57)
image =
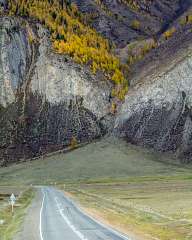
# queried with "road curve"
point(61, 219)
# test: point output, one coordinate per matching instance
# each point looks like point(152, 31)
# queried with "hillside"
point(74, 71)
point(95, 163)
point(115, 19)
point(132, 194)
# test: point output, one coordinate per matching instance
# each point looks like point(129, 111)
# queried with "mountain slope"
point(63, 83)
point(115, 19)
point(158, 113)
point(47, 99)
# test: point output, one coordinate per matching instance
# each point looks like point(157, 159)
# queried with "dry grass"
point(151, 209)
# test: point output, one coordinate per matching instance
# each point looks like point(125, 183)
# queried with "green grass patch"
point(103, 161)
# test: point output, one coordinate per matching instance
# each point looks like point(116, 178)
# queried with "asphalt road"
point(61, 219)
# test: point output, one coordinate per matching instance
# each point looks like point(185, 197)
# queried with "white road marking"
point(105, 226)
point(40, 222)
point(73, 228)
point(99, 223)
point(78, 233)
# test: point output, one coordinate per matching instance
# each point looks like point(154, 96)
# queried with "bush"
point(186, 20)
point(136, 24)
point(169, 33)
point(73, 143)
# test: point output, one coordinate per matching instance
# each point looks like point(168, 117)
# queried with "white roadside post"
point(12, 202)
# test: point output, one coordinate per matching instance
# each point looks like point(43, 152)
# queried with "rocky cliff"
point(157, 111)
point(48, 102)
point(46, 99)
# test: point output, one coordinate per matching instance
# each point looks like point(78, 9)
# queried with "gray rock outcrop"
point(46, 99)
point(15, 53)
point(60, 80)
point(157, 112)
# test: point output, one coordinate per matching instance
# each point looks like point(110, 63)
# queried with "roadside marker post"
point(12, 202)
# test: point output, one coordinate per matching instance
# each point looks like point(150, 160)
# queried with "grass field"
point(134, 190)
point(99, 161)
point(152, 209)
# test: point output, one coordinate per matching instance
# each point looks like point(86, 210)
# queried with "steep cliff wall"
point(60, 80)
point(157, 111)
point(15, 53)
point(46, 100)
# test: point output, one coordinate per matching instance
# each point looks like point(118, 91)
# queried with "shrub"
point(136, 24)
point(138, 50)
point(169, 33)
point(113, 108)
point(73, 143)
point(186, 20)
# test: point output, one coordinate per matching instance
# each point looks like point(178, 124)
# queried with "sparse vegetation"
point(131, 3)
point(104, 7)
point(139, 49)
point(140, 206)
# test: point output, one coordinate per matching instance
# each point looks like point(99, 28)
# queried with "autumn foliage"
point(70, 36)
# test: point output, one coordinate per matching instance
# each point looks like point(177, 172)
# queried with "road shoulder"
point(30, 226)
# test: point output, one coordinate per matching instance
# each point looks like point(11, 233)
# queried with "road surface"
point(61, 219)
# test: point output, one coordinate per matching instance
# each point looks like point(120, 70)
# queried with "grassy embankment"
point(134, 190)
point(10, 223)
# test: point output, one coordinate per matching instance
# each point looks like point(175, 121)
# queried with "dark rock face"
point(45, 127)
point(160, 128)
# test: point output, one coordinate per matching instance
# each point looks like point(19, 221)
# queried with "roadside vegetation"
point(146, 208)
point(10, 223)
